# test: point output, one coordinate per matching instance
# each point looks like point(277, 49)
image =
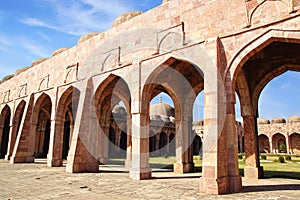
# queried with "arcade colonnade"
point(64, 103)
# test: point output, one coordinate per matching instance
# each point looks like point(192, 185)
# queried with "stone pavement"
point(37, 181)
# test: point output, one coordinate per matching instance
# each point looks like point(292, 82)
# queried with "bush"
point(281, 159)
point(288, 158)
point(240, 156)
point(263, 157)
point(282, 148)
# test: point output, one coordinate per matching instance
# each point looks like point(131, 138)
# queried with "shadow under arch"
point(17, 120)
point(5, 118)
point(41, 126)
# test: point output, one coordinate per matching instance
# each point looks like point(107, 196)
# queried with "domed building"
point(279, 136)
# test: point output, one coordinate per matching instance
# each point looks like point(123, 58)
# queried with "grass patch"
point(272, 169)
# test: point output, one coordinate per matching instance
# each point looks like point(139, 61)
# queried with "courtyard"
point(37, 181)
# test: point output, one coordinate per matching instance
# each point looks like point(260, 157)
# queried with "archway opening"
point(43, 126)
point(113, 108)
point(181, 81)
point(162, 131)
point(265, 63)
point(295, 143)
point(5, 129)
point(264, 145)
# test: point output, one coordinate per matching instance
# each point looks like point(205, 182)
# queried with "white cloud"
point(4, 40)
point(78, 17)
point(44, 36)
point(33, 49)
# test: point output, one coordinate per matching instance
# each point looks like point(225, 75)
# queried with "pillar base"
point(235, 184)
point(7, 157)
point(128, 164)
point(54, 162)
point(140, 174)
point(214, 186)
point(253, 172)
point(222, 185)
point(103, 160)
point(181, 168)
point(82, 167)
point(14, 160)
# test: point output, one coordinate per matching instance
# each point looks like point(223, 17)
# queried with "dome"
point(125, 17)
point(294, 119)
point(278, 120)
point(119, 110)
point(19, 71)
point(163, 110)
point(263, 121)
point(87, 36)
point(58, 51)
point(38, 61)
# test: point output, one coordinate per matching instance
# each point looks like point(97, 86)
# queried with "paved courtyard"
point(37, 181)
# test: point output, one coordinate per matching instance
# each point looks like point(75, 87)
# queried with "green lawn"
point(272, 169)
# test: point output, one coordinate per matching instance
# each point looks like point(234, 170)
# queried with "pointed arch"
point(5, 118)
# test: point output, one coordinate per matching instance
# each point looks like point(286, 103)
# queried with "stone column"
point(271, 145)
point(288, 146)
point(217, 178)
point(54, 157)
point(24, 146)
point(235, 180)
point(253, 170)
point(184, 156)
point(11, 142)
point(128, 161)
point(83, 153)
point(104, 143)
point(140, 147)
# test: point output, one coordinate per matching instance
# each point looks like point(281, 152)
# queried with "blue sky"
point(33, 29)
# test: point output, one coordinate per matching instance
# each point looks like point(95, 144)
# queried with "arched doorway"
point(264, 145)
point(255, 70)
point(172, 78)
point(5, 129)
point(295, 143)
point(279, 143)
point(112, 103)
point(42, 122)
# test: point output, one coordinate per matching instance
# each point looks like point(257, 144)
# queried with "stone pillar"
point(128, 161)
point(288, 146)
point(253, 170)
point(54, 157)
point(11, 142)
point(140, 147)
point(83, 151)
point(24, 146)
point(104, 144)
point(235, 180)
point(271, 145)
point(217, 178)
point(184, 156)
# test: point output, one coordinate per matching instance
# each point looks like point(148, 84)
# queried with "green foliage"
point(240, 156)
point(263, 157)
point(282, 148)
point(281, 159)
point(288, 158)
